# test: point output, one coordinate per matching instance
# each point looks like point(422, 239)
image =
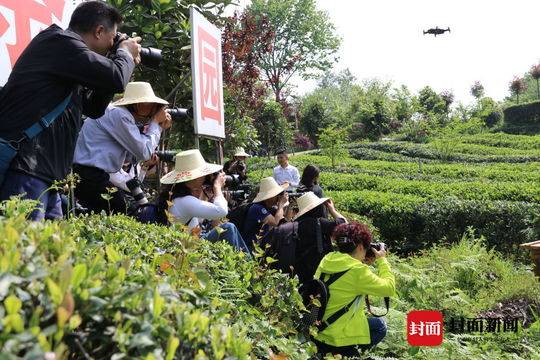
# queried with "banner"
point(21, 20)
point(207, 77)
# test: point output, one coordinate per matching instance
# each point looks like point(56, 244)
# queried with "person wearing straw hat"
point(312, 228)
point(195, 189)
point(105, 143)
point(237, 165)
point(260, 216)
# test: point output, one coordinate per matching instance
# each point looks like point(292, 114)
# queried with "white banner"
point(21, 20)
point(207, 77)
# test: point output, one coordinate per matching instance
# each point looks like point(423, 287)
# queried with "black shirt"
point(55, 63)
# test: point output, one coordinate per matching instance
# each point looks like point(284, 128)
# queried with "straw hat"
point(189, 165)
point(139, 92)
point(239, 151)
point(307, 202)
point(268, 189)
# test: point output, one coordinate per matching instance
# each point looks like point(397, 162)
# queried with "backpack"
point(282, 245)
point(238, 216)
point(315, 295)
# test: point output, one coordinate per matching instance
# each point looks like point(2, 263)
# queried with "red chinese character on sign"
point(425, 328)
point(209, 76)
point(26, 10)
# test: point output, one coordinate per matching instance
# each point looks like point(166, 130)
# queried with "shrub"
point(109, 287)
point(523, 115)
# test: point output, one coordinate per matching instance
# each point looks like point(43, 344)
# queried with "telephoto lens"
point(178, 114)
point(134, 185)
point(151, 57)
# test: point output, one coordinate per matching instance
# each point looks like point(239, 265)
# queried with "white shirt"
point(189, 208)
point(289, 174)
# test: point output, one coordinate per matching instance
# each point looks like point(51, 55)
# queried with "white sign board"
point(21, 20)
point(207, 77)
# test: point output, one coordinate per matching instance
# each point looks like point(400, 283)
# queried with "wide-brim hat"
point(268, 189)
point(139, 92)
point(308, 202)
point(239, 151)
point(189, 165)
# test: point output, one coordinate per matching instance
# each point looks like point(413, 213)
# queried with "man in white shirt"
point(284, 172)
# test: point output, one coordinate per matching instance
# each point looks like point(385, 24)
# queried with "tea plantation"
point(108, 287)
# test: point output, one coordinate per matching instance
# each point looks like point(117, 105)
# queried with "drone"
point(436, 31)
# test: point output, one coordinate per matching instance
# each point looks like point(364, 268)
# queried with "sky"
point(490, 41)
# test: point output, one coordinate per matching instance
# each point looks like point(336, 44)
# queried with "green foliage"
point(120, 289)
point(488, 111)
point(273, 129)
point(332, 141)
point(411, 222)
point(306, 40)
point(523, 118)
point(432, 104)
point(239, 129)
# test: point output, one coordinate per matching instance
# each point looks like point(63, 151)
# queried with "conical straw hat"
point(189, 165)
point(268, 189)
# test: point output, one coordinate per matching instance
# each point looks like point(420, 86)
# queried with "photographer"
point(261, 217)
point(105, 143)
point(237, 166)
point(353, 280)
point(196, 193)
point(61, 75)
point(314, 232)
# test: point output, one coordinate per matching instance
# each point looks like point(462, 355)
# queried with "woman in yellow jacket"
point(353, 331)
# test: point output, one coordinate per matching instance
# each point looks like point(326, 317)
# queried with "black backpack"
point(282, 245)
point(238, 216)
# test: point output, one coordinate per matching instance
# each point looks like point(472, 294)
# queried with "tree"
point(244, 41)
point(273, 128)
point(535, 73)
point(517, 87)
point(305, 42)
point(332, 141)
point(477, 90)
point(448, 98)
point(432, 105)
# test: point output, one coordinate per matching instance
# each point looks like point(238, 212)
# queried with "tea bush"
point(107, 287)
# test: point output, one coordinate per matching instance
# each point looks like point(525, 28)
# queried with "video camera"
point(150, 57)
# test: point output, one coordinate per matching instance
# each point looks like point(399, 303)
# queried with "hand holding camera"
point(163, 119)
point(132, 45)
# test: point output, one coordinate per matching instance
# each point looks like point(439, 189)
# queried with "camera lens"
point(151, 57)
point(178, 114)
point(134, 186)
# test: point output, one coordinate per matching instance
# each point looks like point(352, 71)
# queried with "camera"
point(134, 186)
point(375, 246)
point(166, 155)
point(232, 181)
point(178, 114)
point(150, 57)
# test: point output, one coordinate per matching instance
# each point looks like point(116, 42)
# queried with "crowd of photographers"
point(66, 75)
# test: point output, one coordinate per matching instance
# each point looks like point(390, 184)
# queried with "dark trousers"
point(29, 187)
point(94, 192)
point(377, 332)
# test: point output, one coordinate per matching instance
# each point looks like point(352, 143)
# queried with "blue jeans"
point(29, 187)
point(377, 332)
point(230, 235)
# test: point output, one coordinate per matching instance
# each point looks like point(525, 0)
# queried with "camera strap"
point(386, 303)
point(9, 149)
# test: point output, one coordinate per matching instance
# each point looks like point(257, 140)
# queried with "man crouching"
point(104, 145)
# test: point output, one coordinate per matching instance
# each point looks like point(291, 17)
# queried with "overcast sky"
point(490, 41)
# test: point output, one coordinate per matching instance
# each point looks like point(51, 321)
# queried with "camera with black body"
point(134, 186)
point(150, 57)
point(375, 246)
point(179, 114)
point(166, 155)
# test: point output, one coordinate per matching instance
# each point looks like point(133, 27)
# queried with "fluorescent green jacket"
point(352, 328)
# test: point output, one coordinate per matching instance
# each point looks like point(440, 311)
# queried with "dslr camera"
point(375, 246)
point(150, 57)
point(179, 114)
